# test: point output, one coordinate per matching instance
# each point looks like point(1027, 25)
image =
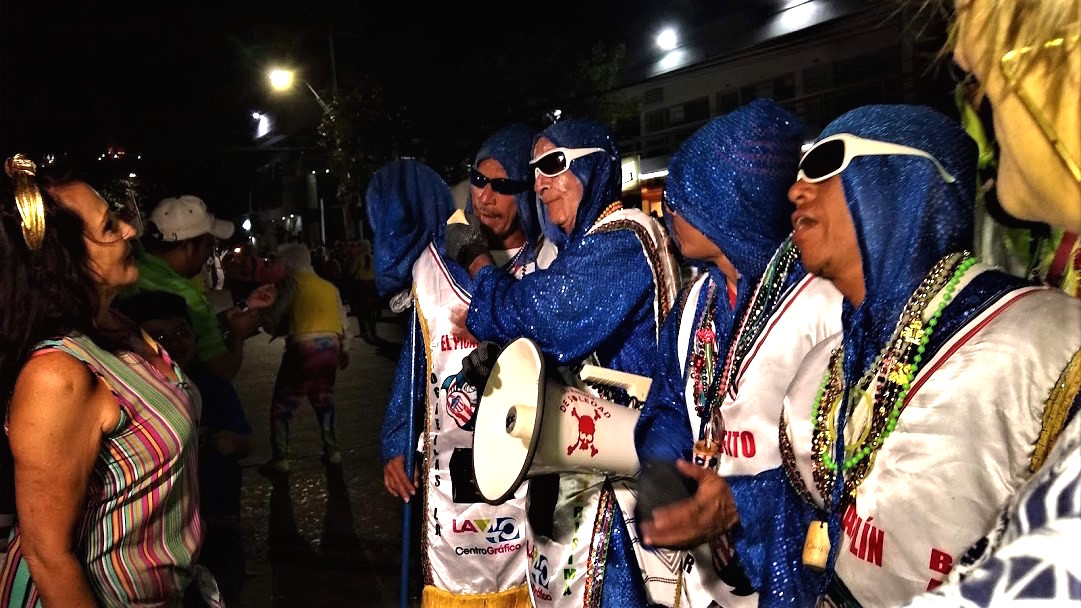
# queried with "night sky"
point(177, 82)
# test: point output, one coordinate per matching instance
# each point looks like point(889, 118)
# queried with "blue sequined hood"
point(408, 206)
point(599, 174)
point(730, 181)
point(511, 146)
point(906, 216)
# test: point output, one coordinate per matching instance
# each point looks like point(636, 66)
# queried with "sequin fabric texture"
point(597, 296)
point(408, 206)
point(511, 147)
point(730, 182)
point(906, 217)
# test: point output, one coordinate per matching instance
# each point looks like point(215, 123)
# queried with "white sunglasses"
point(834, 153)
point(558, 160)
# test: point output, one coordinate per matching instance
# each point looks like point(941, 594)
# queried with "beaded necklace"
point(609, 210)
point(881, 392)
point(516, 261)
point(709, 387)
point(767, 294)
point(892, 373)
point(703, 357)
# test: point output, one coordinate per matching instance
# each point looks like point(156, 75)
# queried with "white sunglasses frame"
point(858, 146)
point(571, 154)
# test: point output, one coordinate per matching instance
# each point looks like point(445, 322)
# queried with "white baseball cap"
point(186, 217)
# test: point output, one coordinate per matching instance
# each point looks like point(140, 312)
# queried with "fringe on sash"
point(515, 597)
point(1056, 409)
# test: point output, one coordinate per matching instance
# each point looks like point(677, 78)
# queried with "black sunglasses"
point(500, 185)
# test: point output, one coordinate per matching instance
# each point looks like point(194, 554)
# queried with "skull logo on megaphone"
point(529, 425)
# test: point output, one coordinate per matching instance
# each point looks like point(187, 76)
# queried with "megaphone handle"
point(707, 451)
point(403, 590)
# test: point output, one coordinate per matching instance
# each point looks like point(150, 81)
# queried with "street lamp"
point(667, 39)
point(262, 126)
point(281, 80)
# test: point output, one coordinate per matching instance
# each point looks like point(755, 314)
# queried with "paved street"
point(326, 536)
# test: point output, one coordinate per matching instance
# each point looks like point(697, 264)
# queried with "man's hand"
point(262, 297)
point(242, 324)
point(698, 519)
point(395, 480)
point(478, 364)
point(466, 242)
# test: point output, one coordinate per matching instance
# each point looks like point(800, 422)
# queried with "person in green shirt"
point(179, 238)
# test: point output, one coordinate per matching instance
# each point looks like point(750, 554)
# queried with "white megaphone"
point(529, 425)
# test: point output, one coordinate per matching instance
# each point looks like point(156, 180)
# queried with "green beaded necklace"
point(895, 368)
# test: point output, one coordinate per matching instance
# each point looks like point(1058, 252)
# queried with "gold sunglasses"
point(1009, 64)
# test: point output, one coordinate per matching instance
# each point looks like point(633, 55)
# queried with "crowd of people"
point(848, 405)
point(859, 409)
point(348, 264)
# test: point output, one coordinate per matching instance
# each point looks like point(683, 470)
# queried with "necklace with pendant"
point(875, 401)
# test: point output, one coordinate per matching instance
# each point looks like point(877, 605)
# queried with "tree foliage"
point(359, 132)
point(448, 112)
point(601, 72)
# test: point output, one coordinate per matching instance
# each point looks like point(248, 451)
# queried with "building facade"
point(819, 59)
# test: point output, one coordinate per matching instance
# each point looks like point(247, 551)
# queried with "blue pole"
point(403, 592)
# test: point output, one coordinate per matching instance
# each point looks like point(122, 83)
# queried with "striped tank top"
point(140, 530)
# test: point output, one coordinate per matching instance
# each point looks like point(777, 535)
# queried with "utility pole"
point(322, 222)
point(333, 67)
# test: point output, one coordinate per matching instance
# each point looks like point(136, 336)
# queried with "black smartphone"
point(660, 483)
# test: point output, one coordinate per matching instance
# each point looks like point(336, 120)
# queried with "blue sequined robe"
point(598, 297)
point(907, 217)
point(741, 206)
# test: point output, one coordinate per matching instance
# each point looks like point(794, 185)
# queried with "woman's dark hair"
point(47, 293)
